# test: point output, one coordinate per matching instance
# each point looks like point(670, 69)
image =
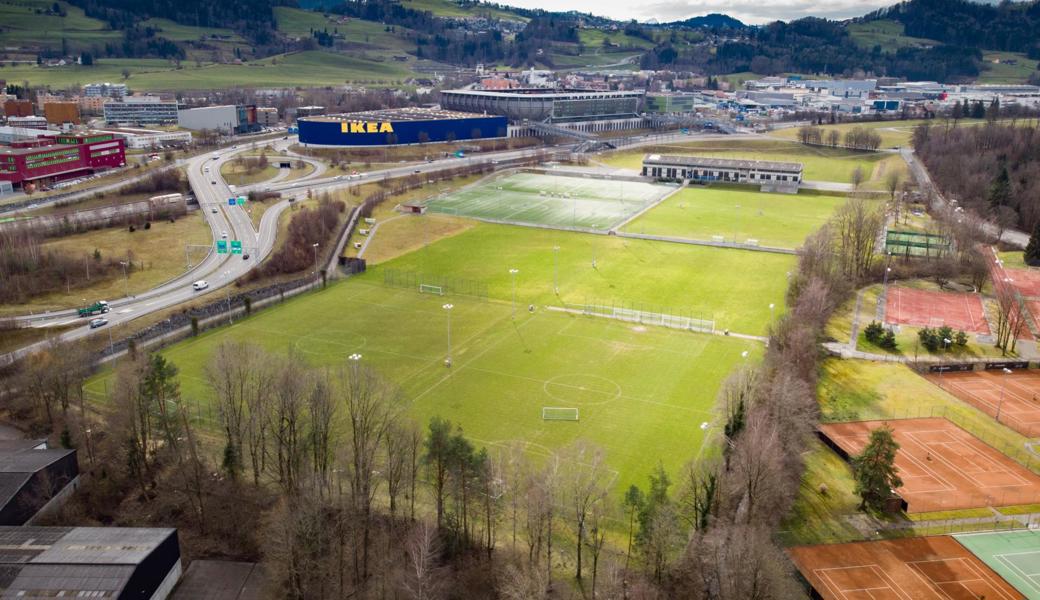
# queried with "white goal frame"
point(425, 288)
point(559, 413)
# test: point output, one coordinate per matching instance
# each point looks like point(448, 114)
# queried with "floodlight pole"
point(447, 308)
point(1003, 385)
point(513, 272)
point(556, 270)
point(126, 282)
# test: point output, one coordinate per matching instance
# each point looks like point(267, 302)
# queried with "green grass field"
point(312, 68)
point(21, 24)
point(888, 34)
point(642, 394)
point(821, 164)
point(998, 69)
point(733, 287)
point(551, 200)
point(780, 220)
point(893, 133)
point(1014, 555)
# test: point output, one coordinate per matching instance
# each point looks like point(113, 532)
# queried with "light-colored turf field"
point(642, 393)
point(551, 200)
point(1014, 555)
point(738, 213)
point(734, 287)
point(821, 163)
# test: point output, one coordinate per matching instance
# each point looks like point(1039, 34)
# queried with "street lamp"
point(1003, 384)
point(448, 307)
point(126, 282)
point(771, 307)
point(314, 246)
point(556, 270)
point(885, 284)
point(513, 272)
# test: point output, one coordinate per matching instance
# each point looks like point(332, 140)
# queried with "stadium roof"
point(397, 114)
point(74, 562)
point(721, 163)
point(548, 93)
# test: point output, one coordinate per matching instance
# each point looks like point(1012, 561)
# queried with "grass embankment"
point(157, 254)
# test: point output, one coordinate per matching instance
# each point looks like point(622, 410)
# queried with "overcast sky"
point(748, 11)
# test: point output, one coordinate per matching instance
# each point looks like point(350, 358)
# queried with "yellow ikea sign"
point(366, 127)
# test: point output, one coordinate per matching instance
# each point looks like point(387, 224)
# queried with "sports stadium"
point(394, 126)
point(583, 110)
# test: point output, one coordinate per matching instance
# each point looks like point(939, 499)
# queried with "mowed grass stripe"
point(646, 390)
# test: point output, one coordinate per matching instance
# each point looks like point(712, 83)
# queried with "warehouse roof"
point(37, 562)
point(221, 580)
point(397, 114)
point(721, 163)
point(19, 460)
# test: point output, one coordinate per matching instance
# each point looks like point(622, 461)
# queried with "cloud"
point(749, 11)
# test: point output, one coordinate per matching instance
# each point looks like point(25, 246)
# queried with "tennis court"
point(942, 466)
point(1026, 281)
point(929, 308)
point(1014, 555)
point(574, 200)
point(926, 568)
point(1015, 395)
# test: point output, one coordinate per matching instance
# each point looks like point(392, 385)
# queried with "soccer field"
point(779, 220)
point(641, 393)
point(732, 287)
point(558, 200)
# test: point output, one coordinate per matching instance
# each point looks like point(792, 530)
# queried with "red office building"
point(52, 158)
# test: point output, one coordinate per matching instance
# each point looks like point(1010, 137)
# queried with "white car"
point(223, 234)
point(99, 322)
point(200, 285)
point(206, 169)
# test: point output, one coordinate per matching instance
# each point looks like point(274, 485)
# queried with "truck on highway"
point(96, 308)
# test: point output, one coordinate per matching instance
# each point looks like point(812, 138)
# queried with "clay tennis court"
point(926, 568)
point(942, 466)
point(1020, 407)
point(1026, 281)
point(928, 308)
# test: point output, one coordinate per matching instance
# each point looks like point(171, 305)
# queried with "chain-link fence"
point(434, 283)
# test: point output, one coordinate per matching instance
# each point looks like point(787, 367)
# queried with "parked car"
point(99, 322)
point(245, 257)
point(200, 285)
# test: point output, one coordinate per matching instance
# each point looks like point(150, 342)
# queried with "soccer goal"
point(555, 413)
point(425, 288)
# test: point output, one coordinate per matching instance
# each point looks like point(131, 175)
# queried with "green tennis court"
point(1014, 555)
point(555, 200)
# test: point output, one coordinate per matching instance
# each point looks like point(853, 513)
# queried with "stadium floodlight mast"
point(1003, 385)
point(447, 308)
point(513, 273)
point(556, 270)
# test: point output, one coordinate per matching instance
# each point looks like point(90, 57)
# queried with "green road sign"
point(236, 247)
point(241, 200)
point(221, 246)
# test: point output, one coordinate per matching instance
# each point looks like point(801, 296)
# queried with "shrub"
point(874, 332)
point(888, 340)
point(961, 339)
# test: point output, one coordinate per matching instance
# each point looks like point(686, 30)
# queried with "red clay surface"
point(1027, 281)
point(1034, 309)
point(944, 467)
point(1020, 408)
point(926, 308)
point(927, 568)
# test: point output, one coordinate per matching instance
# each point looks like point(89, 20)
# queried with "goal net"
point(425, 288)
point(554, 413)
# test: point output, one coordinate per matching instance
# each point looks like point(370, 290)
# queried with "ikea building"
point(399, 126)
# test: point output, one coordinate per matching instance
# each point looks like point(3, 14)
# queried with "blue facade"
point(347, 133)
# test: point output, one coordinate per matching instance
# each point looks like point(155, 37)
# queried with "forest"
point(993, 169)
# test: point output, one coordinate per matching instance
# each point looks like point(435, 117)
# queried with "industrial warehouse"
point(769, 175)
point(399, 126)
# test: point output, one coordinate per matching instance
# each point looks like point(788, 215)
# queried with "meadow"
point(738, 214)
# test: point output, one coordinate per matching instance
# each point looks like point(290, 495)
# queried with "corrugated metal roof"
point(721, 163)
